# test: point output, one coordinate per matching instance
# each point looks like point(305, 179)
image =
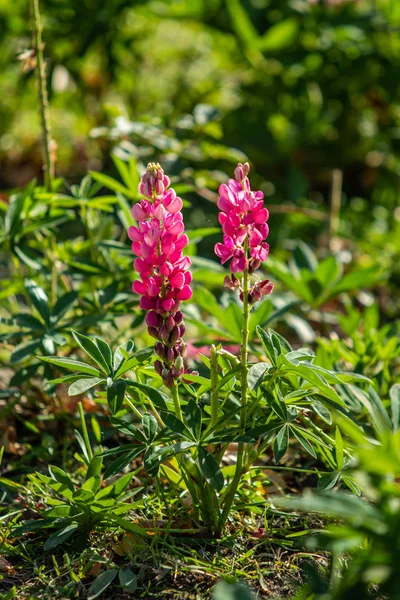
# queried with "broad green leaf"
point(175, 425)
point(281, 443)
point(210, 469)
point(23, 350)
point(83, 385)
point(60, 536)
point(63, 305)
point(127, 580)
point(150, 427)
point(116, 395)
point(193, 418)
point(279, 36)
point(71, 364)
point(39, 299)
point(106, 352)
point(101, 583)
point(122, 461)
point(60, 476)
point(154, 395)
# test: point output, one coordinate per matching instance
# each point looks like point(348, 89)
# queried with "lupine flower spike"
point(165, 278)
point(244, 219)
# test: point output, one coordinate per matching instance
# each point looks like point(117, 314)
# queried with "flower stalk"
point(48, 167)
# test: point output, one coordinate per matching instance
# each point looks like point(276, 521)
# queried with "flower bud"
point(169, 355)
point(239, 173)
point(169, 323)
point(153, 319)
point(153, 331)
point(158, 367)
point(178, 316)
point(174, 335)
point(164, 333)
point(159, 349)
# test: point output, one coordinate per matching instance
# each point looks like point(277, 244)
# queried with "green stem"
point(214, 383)
point(85, 431)
point(177, 405)
point(244, 373)
point(43, 99)
point(326, 438)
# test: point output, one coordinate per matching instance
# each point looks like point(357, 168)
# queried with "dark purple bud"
point(170, 355)
point(174, 335)
point(164, 333)
point(153, 331)
point(158, 367)
point(182, 330)
point(168, 380)
point(169, 323)
point(153, 319)
point(159, 349)
point(178, 316)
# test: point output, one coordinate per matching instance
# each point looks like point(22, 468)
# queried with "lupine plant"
point(257, 399)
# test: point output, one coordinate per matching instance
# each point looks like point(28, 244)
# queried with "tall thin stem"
point(177, 404)
point(214, 383)
point(244, 395)
point(43, 99)
point(336, 200)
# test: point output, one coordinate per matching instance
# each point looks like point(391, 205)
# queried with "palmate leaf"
point(281, 443)
point(116, 395)
point(92, 350)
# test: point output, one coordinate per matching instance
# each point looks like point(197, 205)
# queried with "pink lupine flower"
point(243, 218)
point(165, 279)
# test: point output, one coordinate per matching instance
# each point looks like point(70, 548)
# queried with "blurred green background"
point(300, 87)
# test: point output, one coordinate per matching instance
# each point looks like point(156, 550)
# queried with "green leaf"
point(210, 469)
point(281, 443)
point(155, 396)
point(101, 583)
point(150, 426)
point(303, 441)
point(92, 350)
point(106, 352)
point(175, 425)
point(138, 358)
point(119, 357)
point(394, 394)
point(60, 476)
point(60, 536)
point(120, 463)
point(70, 364)
point(328, 481)
point(39, 299)
point(256, 375)
point(112, 184)
point(339, 449)
point(23, 350)
point(266, 341)
point(83, 385)
point(116, 395)
point(29, 321)
point(127, 580)
point(279, 36)
point(63, 305)
point(193, 418)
